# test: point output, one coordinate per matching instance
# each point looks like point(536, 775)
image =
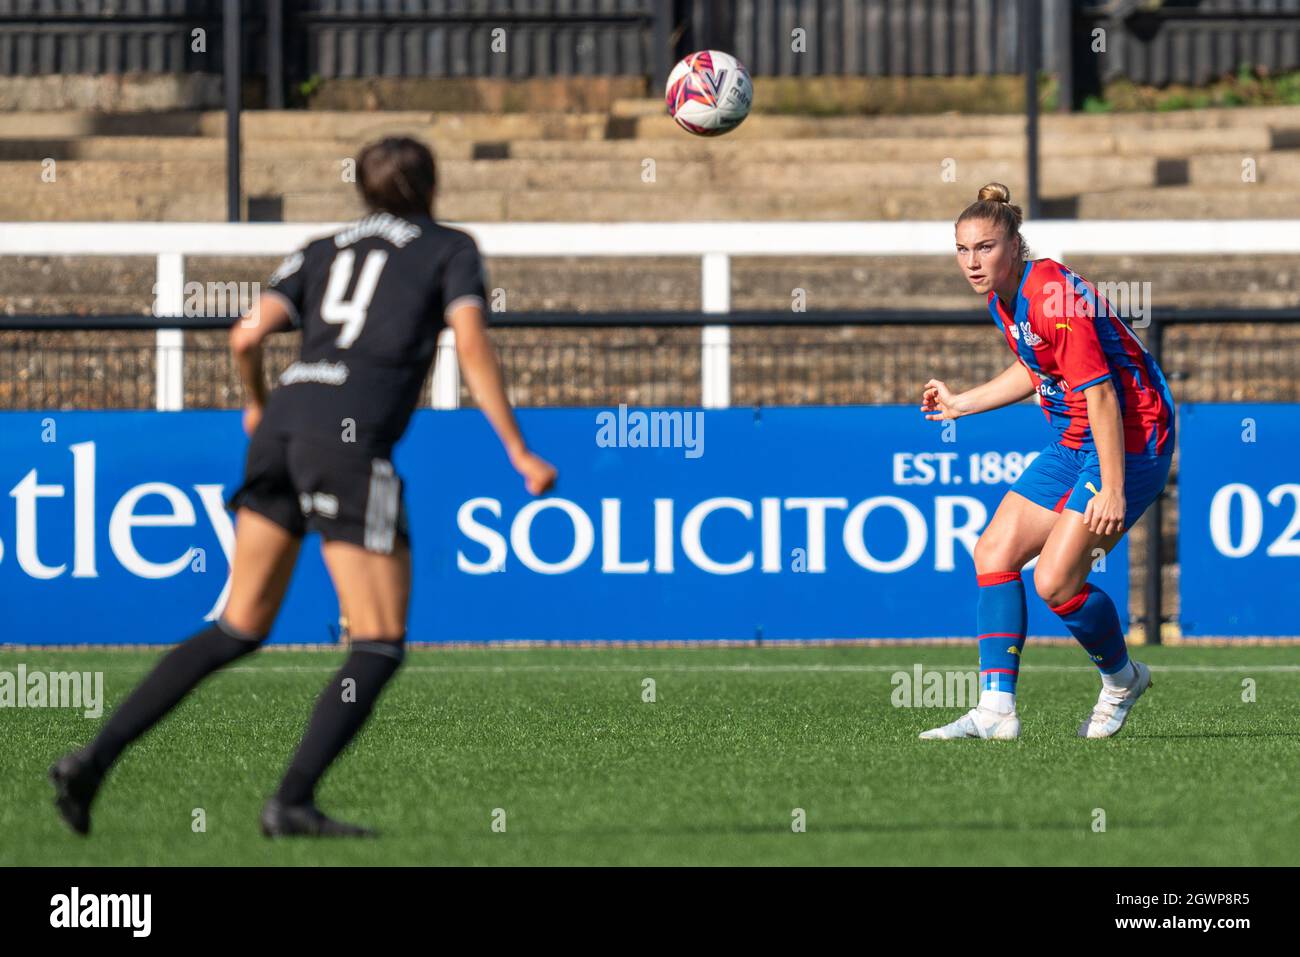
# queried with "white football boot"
point(978, 723)
point(1114, 704)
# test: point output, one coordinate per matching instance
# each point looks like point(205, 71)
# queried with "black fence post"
point(275, 54)
point(1063, 52)
point(662, 58)
point(1029, 29)
point(234, 95)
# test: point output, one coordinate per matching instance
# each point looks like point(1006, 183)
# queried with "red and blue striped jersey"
point(1069, 338)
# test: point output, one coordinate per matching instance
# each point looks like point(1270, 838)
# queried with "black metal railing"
point(291, 41)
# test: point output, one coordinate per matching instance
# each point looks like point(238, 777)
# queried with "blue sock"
point(1094, 622)
point(1000, 618)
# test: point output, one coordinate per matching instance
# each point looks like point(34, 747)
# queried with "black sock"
point(171, 679)
point(340, 712)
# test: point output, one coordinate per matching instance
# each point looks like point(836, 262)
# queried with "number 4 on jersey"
point(351, 313)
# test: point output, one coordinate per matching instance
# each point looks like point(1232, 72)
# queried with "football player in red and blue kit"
point(1106, 399)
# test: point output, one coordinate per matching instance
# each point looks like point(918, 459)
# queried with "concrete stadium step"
point(769, 126)
point(438, 127)
point(210, 206)
point(73, 205)
point(916, 123)
point(649, 203)
point(680, 146)
point(1170, 144)
point(1254, 142)
point(1223, 118)
point(1061, 176)
point(1245, 201)
point(206, 148)
point(660, 202)
point(852, 203)
point(761, 126)
point(309, 124)
point(1266, 169)
point(458, 206)
point(64, 124)
point(174, 176)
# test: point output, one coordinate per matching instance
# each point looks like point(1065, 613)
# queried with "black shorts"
point(315, 485)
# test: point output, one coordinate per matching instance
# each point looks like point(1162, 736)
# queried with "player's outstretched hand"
point(938, 401)
point(539, 474)
point(252, 419)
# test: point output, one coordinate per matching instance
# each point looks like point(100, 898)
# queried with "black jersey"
point(371, 301)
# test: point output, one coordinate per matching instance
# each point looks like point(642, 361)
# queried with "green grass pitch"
point(710, 773)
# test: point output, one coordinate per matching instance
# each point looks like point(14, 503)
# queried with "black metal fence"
point(594, 359)
point(1083, 41)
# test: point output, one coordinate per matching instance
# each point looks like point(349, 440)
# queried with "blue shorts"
point(1058, 478)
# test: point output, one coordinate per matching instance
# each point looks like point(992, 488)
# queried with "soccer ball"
point(709, 93)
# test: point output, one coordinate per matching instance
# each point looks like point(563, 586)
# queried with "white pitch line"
point(772, 669)
point(642, 668)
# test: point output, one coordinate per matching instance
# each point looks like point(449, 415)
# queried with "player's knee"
point(1055, 586)
point(993, 554)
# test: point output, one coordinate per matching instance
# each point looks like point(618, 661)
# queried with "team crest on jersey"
point(1031, 338)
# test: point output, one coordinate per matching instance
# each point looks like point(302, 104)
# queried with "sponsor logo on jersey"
point(326, 373)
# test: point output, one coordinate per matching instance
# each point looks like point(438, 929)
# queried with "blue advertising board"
point(1239, 519)
point(670, 524)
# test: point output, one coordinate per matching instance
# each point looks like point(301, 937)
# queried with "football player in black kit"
point(370, 301)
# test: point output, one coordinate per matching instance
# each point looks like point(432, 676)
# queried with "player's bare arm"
point(269, 314)
point(482, 370)
point(1104, 513)
point(1009, 386)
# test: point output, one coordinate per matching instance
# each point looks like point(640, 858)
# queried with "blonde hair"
point(994, 204)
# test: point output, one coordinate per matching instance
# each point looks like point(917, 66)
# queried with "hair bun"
point(995, 192)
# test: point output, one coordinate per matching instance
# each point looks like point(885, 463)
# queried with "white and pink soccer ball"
point(709, 93)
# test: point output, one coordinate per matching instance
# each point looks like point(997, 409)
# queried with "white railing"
point(713, 243)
